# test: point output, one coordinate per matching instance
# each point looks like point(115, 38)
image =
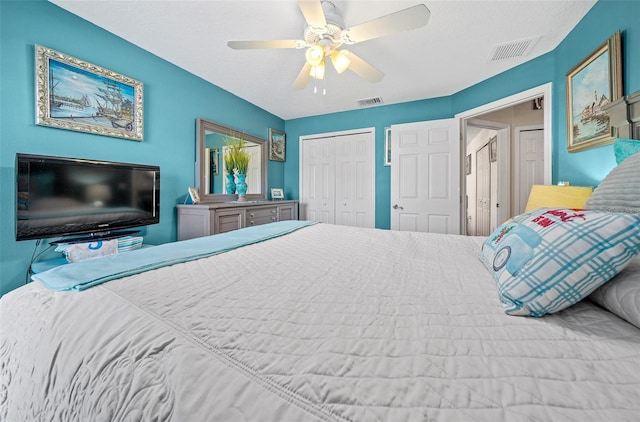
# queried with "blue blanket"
point(85, 274)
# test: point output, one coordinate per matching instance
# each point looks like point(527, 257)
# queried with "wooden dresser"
point(218, 217)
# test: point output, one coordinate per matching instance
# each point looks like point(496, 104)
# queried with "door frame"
point(545, 91)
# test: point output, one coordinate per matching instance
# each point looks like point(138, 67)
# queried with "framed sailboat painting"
point(76, 95)
point(591, 86)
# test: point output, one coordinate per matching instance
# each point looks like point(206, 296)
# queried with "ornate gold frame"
point(591, 113)
point(93, 117)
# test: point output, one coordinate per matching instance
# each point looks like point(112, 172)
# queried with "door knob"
point(397, 207)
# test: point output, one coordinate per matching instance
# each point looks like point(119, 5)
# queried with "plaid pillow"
point(551, 258)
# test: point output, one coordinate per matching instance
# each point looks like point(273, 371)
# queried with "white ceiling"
point(450, 53)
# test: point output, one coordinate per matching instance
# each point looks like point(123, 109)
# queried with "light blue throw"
point(85, 274)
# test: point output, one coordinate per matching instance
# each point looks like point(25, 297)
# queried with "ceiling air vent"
point(366, 102)
point(519, 48)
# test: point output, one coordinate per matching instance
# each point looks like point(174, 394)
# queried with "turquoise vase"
point(231, 185)
point(241, 187)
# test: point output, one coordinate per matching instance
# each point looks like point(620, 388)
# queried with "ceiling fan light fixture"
point(317, 71)
point(340, 61)
point(314, 55)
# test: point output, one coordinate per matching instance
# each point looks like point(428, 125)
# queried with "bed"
point(296, 321)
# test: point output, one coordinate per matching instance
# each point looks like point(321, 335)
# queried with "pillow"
point(551, 258)
point(625, 148)
point(620, 189)
point(621, 295)
point(76, 252)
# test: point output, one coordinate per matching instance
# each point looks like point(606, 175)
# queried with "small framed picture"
point(387, 146)
point(277, 193)
point(193, 194)
point(538, 103)
point(277, 145)
point(493, 149)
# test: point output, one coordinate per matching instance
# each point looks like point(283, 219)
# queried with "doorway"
point(504, 116)
point(487, 184)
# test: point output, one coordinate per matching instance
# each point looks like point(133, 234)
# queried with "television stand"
point(94, 237)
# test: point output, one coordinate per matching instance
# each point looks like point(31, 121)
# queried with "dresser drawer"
point(257, 216)
point(228, 220)
point(288, 212)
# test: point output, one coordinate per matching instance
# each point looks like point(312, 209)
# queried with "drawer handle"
point(251, 215)
point(251, 222)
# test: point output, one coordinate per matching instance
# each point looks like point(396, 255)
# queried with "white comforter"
point(325, 323)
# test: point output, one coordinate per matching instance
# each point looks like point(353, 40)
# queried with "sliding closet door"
point(337, 178)
point(355, 175)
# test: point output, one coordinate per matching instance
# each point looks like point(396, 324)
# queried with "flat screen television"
point(59, 196)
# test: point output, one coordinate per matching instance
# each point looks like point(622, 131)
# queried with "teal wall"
point(589, 167)
point(175, 98)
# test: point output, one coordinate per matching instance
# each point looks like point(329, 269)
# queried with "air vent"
point(519, 48)
point(366, 102)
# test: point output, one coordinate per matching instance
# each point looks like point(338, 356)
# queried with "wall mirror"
point(210, 170)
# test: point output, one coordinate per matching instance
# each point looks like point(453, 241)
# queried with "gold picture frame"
point(592, 84)
point(76, 95)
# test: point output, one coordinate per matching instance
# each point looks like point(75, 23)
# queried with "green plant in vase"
point(242, 164)
point(237, 158)
point(229, 164)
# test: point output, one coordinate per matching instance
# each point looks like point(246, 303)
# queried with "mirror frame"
point(202, 126)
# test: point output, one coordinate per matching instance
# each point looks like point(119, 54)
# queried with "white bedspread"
point(325, 323)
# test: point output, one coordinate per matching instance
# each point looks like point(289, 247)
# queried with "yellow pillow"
point(551, 196)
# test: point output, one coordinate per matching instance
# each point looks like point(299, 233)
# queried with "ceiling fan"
point(325, 33)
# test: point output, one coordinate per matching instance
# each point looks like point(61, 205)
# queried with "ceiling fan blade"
point(313, 13)
point(303, 77)
point(362, 68)
point(411, 18)
point(247, 45)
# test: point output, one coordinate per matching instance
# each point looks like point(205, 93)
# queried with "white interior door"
point(530, 162)
point(425, 176)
